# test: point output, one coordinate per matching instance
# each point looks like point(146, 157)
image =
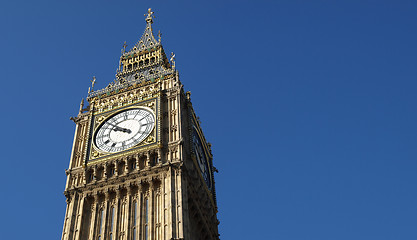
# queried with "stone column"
point(137, 162)
point(178, 203)
point(105, 173)
point(104, 227)
point(116, 231)
point(94, 174)
point(123, 218)
point(94, 206)
point(80, 215)
point(159, 155)
point(85, 176)
point(134, 219)
point(126, 171)
point(164, 208)
point(73, 216)
point(148, 160)
point(128, 211)
point(139, 226)
point(73, 150)
point(180, 125)
point(116, 168)
point(170, 204)
point(151, 211)
point(158, 215)
point(68, 212)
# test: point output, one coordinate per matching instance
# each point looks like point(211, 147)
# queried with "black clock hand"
point(122, 129)
point(117, 128)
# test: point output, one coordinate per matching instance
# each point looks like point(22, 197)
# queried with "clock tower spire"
point(140, 166)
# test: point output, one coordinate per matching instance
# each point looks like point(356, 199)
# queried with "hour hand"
point(116, 128)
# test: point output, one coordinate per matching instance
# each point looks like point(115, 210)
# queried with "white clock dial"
point(124, 130)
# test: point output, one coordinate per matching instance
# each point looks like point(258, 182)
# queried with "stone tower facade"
point(140, 167)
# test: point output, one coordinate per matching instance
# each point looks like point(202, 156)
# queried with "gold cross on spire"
point(150, 13)
point(149, 16)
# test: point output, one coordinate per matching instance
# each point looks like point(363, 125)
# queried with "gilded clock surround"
point(108, 193)
point(154, 137)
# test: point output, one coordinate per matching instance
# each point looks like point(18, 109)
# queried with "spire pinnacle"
point(148, 39)
point(172, 60)
point(149, 16)
point(81, 105)
point(124, 47)
point(145, 61)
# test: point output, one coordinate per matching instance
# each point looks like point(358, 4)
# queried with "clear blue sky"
point(310, 107)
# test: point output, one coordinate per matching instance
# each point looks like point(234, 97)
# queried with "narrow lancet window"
point(134, 220)
point(146, 218)
point(122, 217)
point(100, 230)
point(111, 223)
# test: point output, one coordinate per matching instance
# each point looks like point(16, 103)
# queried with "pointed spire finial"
point(93, 82)
point(172, 60)
point(124, 47)
point(81, 105)
point(149, 16)
point(90, 89)
point(148, 39)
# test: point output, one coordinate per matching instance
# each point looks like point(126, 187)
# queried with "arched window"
point(142, 161)
point(153, 159)
point(110, 172)
point(121, 168)
point(90, 176)
point(99, 173)
point(132, 164)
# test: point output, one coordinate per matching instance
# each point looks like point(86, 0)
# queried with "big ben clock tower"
point(140, 167)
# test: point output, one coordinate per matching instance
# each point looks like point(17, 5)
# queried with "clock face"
point(124, 130)
point(201, 158)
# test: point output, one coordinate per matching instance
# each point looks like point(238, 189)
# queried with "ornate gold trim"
point(123, 154)
point(152, 105)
